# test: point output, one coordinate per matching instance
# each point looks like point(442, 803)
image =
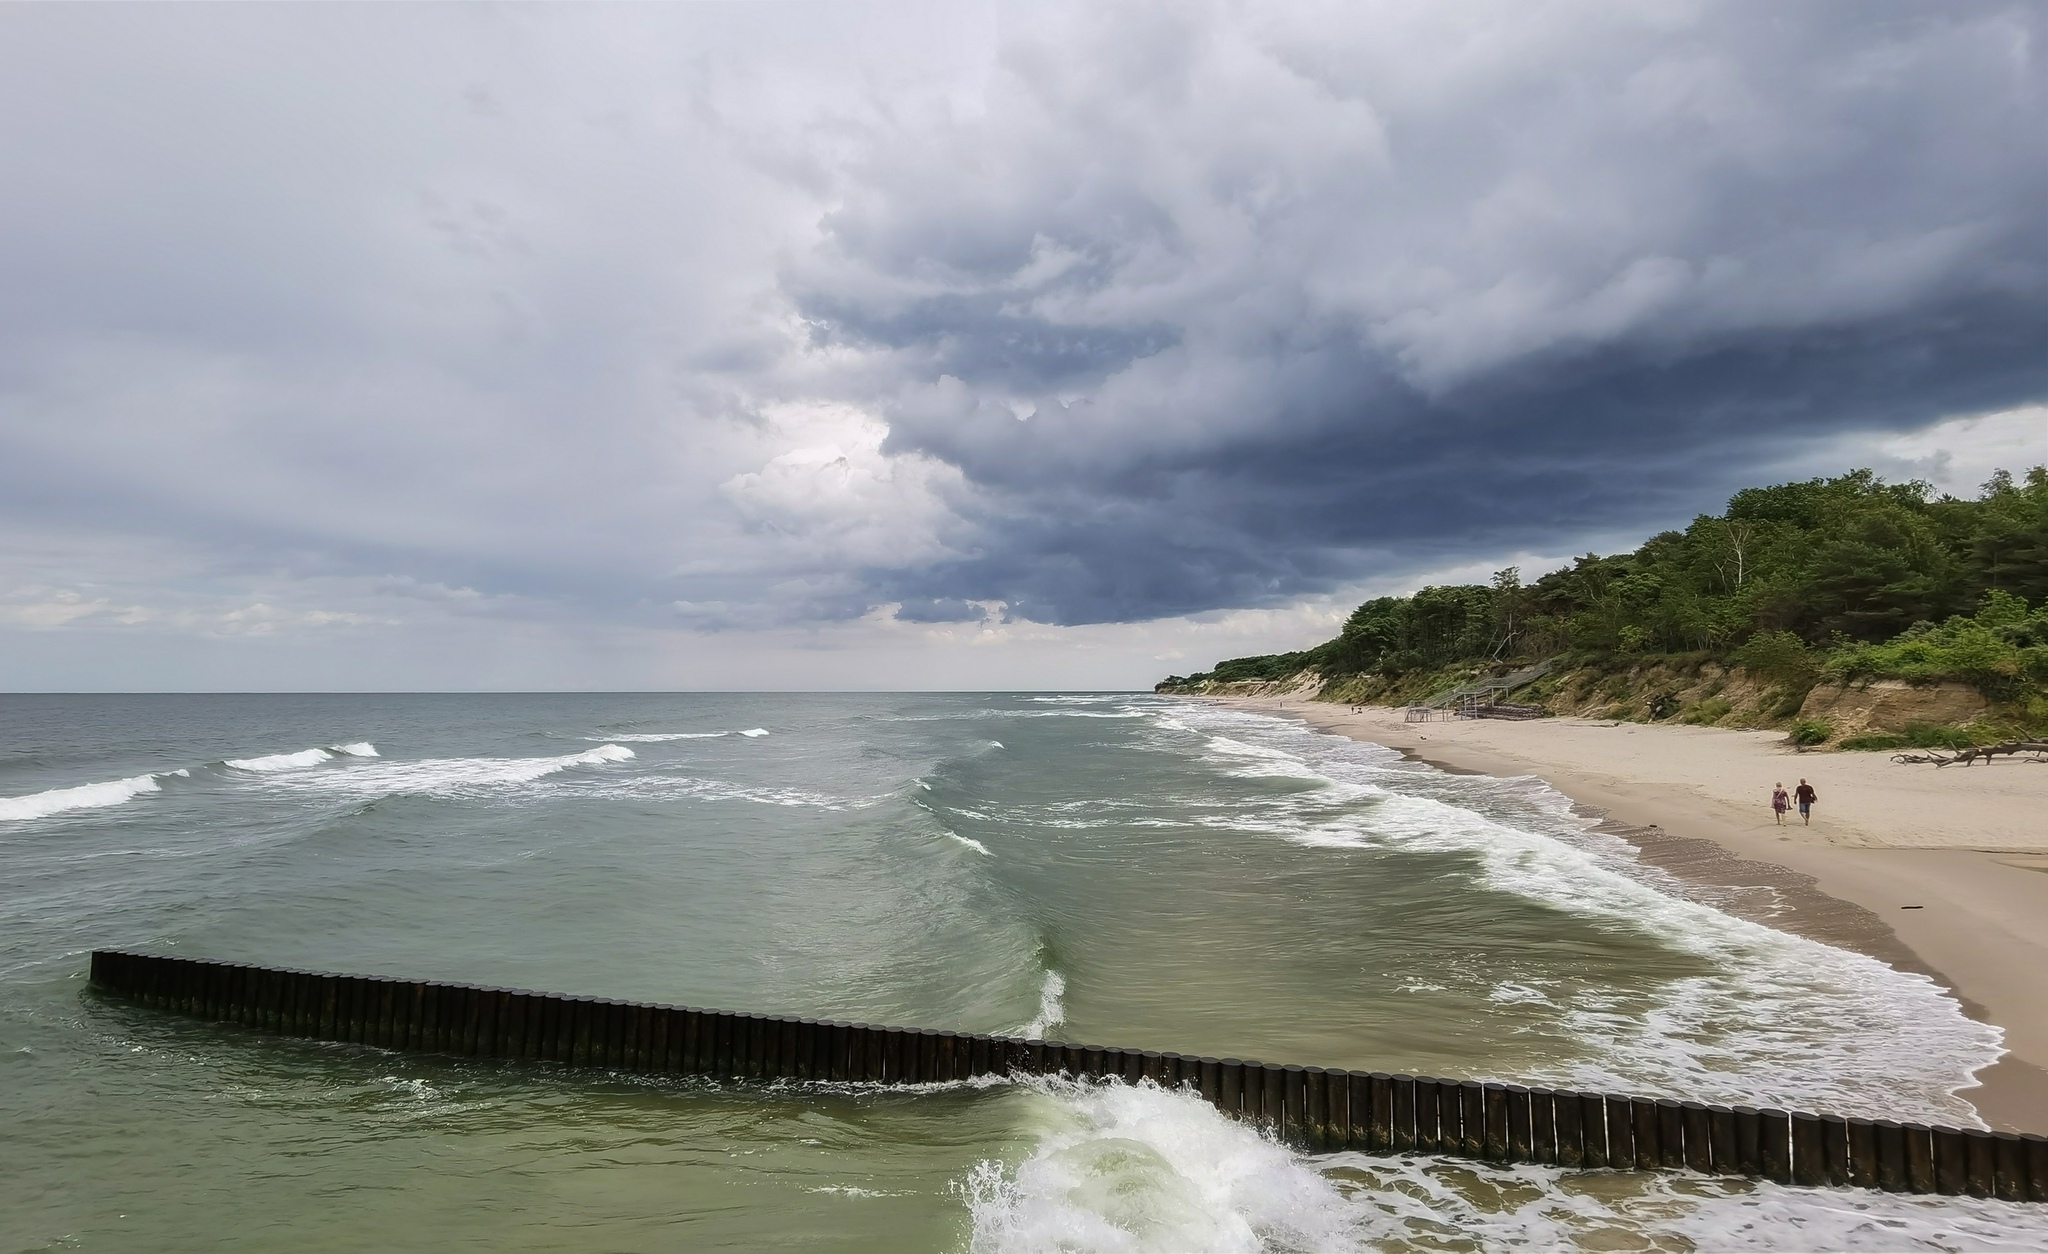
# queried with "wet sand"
point(1941, 871)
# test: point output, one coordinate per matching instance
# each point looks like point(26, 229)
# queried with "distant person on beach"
point(1805, 796)
point(1781, 801)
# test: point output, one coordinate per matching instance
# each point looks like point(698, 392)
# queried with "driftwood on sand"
point(1969, 756)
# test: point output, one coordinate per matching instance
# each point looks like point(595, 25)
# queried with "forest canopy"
point(1846, 577)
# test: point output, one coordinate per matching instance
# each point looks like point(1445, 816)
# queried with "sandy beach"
point(1943, 871)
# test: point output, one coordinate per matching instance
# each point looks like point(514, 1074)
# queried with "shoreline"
point(1966, 849)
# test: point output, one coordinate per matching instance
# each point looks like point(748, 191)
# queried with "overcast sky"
point(879, 346)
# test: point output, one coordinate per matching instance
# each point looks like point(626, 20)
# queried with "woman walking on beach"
point(1805, 796)
point(1781, 801)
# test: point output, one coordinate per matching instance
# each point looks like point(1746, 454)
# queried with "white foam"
point(995, 744)
point(1776, 1019)
point(658, 737)
point(81, 797)
point(683, 787)
point(1121, 1167)
point(971, 843)
point(1052, 1011)
point(303, 758)
point(755, 731)
point(1135, 1168)
point(280, 761)
point(447, 776)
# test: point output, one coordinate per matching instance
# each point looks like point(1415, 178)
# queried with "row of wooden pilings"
point(1313, 1108)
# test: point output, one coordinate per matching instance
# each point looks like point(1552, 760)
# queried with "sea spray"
point(1052, 1010)
point(1125, 1167)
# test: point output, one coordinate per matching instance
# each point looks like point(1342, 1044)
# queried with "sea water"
point(1114, 868)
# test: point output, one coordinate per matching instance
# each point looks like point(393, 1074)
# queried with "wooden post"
point(1381, 1134)
point(1337, 1109)
point(1951, 1161)
point(1699, 1137)
point(1643, 1113)
point(1774, 1145)
point(1496, 1123)
point(1721, 1140)
point(1862, 1156)
point(1230, 1087)
point(1919, 1159)
point(1834, 1144)
point(1621, 1133)
point(1294, 1103)
point(1150, 1065)
point(1543, 1126)
point(1890, 1141)
point(1358, 1109)
point(1210, 1081)
point(1404, 1115)
point(1571, 1131)
point(1430, 1121)
point(2037, 1166)
point(1593, 1121)
point(1472, 1119)
point(1276, 1098)
point(2011, 1173)
point(982, 1051)
point(1670, 1135)
point(898, 1056)
point(1315, 1122)
point(1981, 1156)
point(1809, 1155)
point(1520, 1136)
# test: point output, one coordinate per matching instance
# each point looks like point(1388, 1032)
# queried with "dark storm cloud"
point(1397, 317)
point(741, 317)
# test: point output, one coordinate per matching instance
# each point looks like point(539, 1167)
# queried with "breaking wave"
point(80, 797)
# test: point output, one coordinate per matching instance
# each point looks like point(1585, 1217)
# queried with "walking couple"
point(1804, 796)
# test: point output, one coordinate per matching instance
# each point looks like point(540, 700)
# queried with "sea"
point(1116, 868)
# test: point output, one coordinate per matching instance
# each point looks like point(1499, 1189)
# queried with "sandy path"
point(1967, 846)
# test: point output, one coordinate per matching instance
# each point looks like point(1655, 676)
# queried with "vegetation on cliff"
point(1828, 580)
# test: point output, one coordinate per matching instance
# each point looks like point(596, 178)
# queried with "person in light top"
point(1781, 801)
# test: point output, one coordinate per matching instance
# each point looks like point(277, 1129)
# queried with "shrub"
point(1932, 736)
point(1875, 740)
point(1712, 710)
point(1812, 731)
point(1998, 649)
point(1779, 656)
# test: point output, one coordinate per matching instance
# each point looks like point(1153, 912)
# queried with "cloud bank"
point(575, 330)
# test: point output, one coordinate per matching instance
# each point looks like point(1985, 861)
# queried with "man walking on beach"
point(1805, 796)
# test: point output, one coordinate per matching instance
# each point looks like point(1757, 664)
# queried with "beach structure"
point(1312, 1108)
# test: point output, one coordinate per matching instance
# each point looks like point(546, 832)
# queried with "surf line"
point(1311, 1108)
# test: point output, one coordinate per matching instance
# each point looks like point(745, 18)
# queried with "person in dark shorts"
point(1781, 801)
point(1805, 796)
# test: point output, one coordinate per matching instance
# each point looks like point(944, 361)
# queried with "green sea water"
point(1120, 869)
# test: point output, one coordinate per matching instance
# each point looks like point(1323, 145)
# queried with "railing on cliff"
point(1312, 1108)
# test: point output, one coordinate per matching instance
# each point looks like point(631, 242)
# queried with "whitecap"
point(971, 843)
point(446, 776)
point(280, 761)
point(80, 797)
point(659, 737)
point(755, 731)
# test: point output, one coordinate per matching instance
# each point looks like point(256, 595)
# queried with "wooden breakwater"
point(1313, 1108)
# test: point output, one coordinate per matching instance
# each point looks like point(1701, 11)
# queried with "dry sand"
point(1967, 846)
